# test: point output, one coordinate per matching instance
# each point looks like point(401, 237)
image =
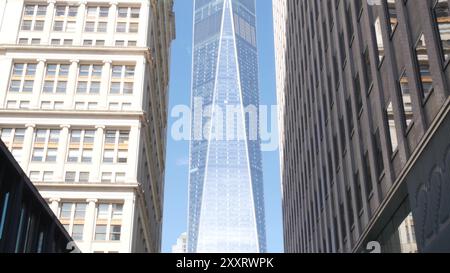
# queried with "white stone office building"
point(279, 11)
point(181, 245)
point(83, 108)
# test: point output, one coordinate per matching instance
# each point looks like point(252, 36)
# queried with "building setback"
point(364, 103)
point(27, 224)
point(226, 199)
point(83, 109)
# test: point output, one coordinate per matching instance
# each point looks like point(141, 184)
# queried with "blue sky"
point(176, 183)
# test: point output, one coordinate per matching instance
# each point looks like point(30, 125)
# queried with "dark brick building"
point(366, 144)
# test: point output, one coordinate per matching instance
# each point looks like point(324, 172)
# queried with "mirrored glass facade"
point(226, 203)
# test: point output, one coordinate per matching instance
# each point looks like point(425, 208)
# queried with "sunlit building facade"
point(83, 109)
point(181, 245)
point(226, 203)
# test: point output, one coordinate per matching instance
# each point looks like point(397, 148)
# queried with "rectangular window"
point(80, 210)
point(75, 136)
point(117, 211)
point(70, 177)
point(114, 106)
point(92, 105)
point(46, 105)
point(120, 43)
point(423, 67)
point(392, 12)
point(358, 94)
point(22, 77)
point(77, 232)
point(86, 156)
point(116, 146)
point(51, 155)
point(19, 136)
point(379, 163)
point(122, 156)
point(72, 216)
point(110, 137)
point(106, 177)
point(442, 21)
point(89, 136)
point(38, 155)
point(368, 174)
point(24, 104)
point(66, 210)
point(108, 156)
point(89, 78)
point(96, 19)
point(59, 105)
point(35, 176)
point(390, 118)
point(55, 42)
point(115, 233)
point(33, 17)
point(121, 27)
point(100, 232)
point(81, 143)
point(367, 70)
point(87, 42)
point(124, 137)
point(379, 39)
point(45, 145)
point(128, 19)
point(120, 177)
point(84, 177)
point(108, 222)
point(11, 104)
point(103, 211)
point(65, 18)
point(80, 105)
point(122, 79)
point(73, 155)
point(405, 99)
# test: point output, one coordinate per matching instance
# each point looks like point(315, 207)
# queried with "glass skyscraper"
point(226, 202)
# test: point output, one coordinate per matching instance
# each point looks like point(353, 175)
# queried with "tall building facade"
point(364, 100)
point(226, 202)
point(83, 109)
point(27, 225)
point(181, 245)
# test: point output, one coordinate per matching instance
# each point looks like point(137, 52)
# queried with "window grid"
point(22, 77)
point(56, 77)
point(116, 147)
point(72, 216)
point(96, 19)
point(122, 79)
point(13, 139)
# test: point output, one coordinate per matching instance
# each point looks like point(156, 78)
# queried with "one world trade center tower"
point(226, 200)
